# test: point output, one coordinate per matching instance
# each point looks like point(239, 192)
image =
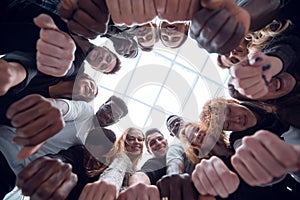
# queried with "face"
point(173, 125)
point(109, 113)
point(235, 56)
point(146, 35)
point(134, 142)
point(98, 151)
point(280, 86)
point(157, 144)
point(195, 135)
point(238, 118)
point(86, 88)
point(126, 48)
point(172, 34)
point(102, 59)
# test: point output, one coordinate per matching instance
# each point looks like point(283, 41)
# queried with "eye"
point(140, 40)
point(108, 58)
point(175, 39)
point(226, 125)
point(149, 37)
point(165, 38)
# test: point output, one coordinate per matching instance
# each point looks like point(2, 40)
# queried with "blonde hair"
point(195, 153)
point(258, 39)
point(119, 148)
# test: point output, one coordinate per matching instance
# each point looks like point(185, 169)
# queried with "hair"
point(214, 107)
point(78, 77)
point(150, 132)
point(120, 103)
point(119, 148)
point(259, 39)
point(99, 136)
point(170, 117)
point(187, 27)
point(192, 151)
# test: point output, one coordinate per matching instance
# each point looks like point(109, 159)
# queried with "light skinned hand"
point(98, 190)
point(46, 178)
point(140, 191)
point(176, 10)
point(130, 12)
point(35, 118)
point(11, 74)
point(212, 177)
point(264, 156)
point(55, 48)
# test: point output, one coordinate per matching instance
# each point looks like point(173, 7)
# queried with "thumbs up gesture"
point(55, 48)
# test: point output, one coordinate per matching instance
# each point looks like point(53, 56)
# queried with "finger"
point(114, 8)
point(61, 52)
point(80, 30)
point(63, 191)
point(230, 180)
point(66, 8)
point(58, 38)
point(50, 63)
point(163, 187)
point(207, 184)
point(27, 151)
point(161, 6)
point(198, 183)
point(39, 137)
point(242, 170)
point(23, 104)
point(216, 4)
point(240, 71)
point(45, 22)
point(258, 91)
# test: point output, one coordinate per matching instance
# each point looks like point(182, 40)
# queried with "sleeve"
point(175, 151)
point(115, 173)
point(28, 61)
point(77, 109)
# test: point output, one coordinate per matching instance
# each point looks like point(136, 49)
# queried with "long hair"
point(119, 148)
point(195, 153)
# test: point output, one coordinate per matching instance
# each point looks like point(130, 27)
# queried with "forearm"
point(175, 166)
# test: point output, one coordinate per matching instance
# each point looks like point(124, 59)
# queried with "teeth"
point(278, 84)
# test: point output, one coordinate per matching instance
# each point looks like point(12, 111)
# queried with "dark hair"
point(101, 136)
point(150, 132)
point(120, 103)
point(220, 63)
point(117, 67)
point(169, 123)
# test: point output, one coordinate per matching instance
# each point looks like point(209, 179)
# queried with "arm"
point(174, 159)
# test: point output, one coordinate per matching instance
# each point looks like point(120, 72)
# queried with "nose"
point(234, 119)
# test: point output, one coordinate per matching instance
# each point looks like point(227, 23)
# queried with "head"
point(173, 35)
point(85, 88)
point(147, 36)
point(278, 87)
point(173, 124)
point(230, 113)
point(200, 140)
point(100, 141)
point(156, 143)
point(111, 111)
point(124, 46)
point(103, 60)
point(234, 56)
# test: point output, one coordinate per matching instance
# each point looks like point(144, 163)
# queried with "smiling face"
point(280, 86)
point(134, 142)
point(109, 113)
point(238, 118)
point(85, 88)
point(102, 59)
point(173, 35)
point(146, 35)
point(157, 144)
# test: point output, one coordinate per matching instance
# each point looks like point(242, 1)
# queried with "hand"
point(11, 74)
point(140, 191)
point(98, 190)
point(176, 10)
point(87, 18)
point(214, 178)
point(46, 178)
point(264, 156)
point(219, 26)
point(131, 12)
point(35, 118)
point(249, 79)
point(177, 186)
point(55, 48)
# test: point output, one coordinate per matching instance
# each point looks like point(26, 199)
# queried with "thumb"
point(27, 151)
point(45, 21)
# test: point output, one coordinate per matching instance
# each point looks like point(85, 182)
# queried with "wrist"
point(18, 72)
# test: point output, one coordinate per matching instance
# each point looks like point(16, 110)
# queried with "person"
point(123, 159)
point(152, 170)
point(173, 35)
point(147, 36)
point(8, 181)
point(87, 161)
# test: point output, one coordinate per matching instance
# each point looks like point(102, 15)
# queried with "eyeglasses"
point(110, 114)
